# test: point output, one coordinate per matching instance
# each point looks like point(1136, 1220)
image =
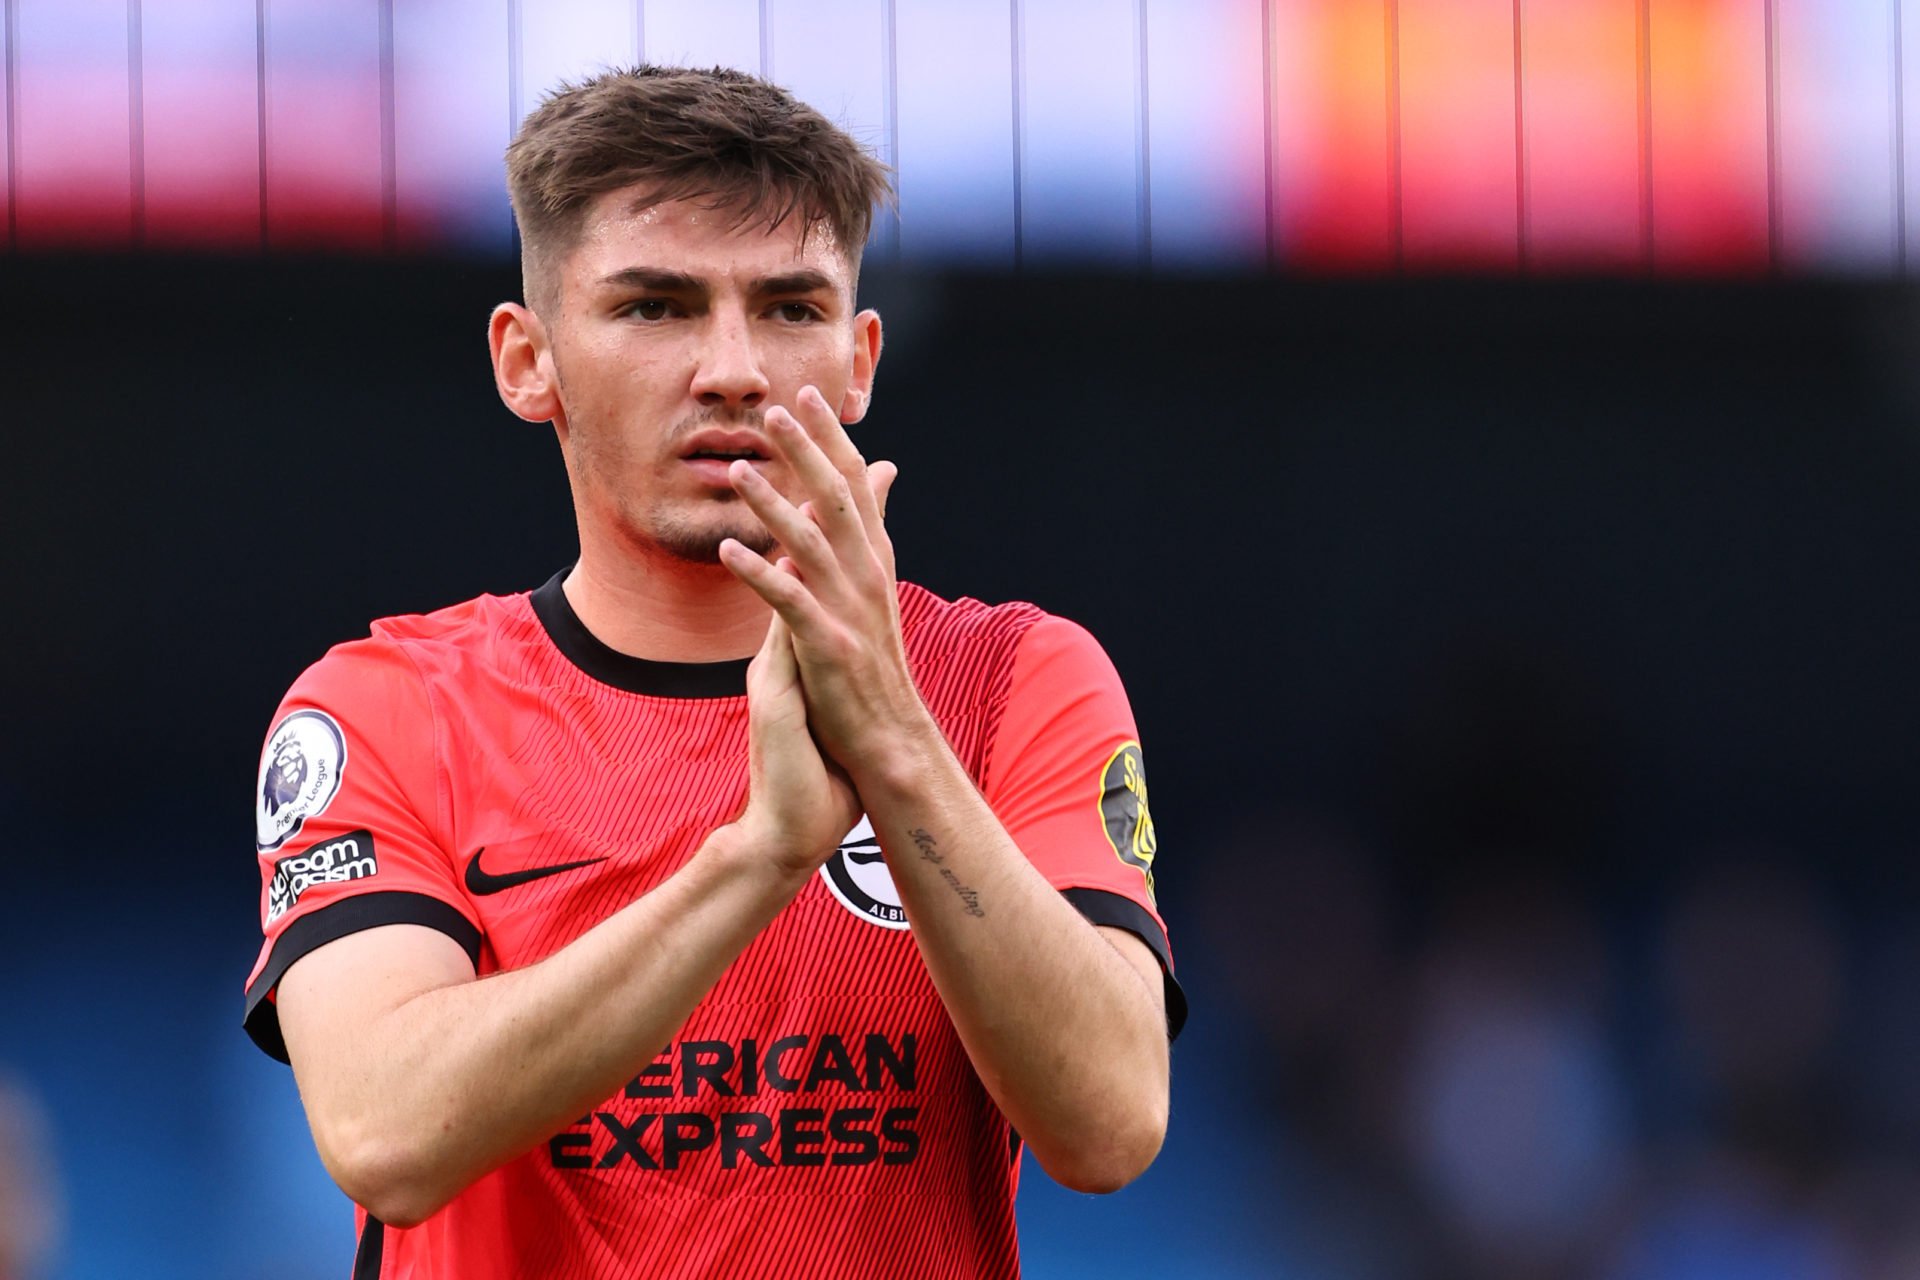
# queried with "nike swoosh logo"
point(480, 883)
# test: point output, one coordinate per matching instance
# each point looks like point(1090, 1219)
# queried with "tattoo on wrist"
point(930, 852)
point(923, 841)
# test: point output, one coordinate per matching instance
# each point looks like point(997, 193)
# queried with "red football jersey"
point(493, 771)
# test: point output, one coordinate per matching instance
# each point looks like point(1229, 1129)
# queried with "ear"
point(866, 358)
point(523, 363)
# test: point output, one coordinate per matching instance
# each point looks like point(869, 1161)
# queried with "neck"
point(662, 608)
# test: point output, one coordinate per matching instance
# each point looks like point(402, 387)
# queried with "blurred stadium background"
point(1483, 432)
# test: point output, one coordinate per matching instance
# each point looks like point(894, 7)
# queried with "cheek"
point(610, 389)
point(827, 365)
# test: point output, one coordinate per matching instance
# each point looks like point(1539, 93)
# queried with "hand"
point(837, 598)
point(799, 804)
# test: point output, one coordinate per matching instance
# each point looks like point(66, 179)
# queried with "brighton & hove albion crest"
point(299, 775)
point(857, 875)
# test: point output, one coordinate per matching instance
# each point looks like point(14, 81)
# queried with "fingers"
point(829, 435)
point(778, 586)
point(880, 478)
point(832, 527)
point(832, 490)
point(798, 529)
point(821, 450)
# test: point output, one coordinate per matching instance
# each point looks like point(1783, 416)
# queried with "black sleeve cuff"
point(349, 915)
point(1102, 907)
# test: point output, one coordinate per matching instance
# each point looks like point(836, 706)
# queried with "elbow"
point(387, 1178)
point(1112, 1158)
point(401, 1206)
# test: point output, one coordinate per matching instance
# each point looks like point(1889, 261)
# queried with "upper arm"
point(332, 998)
point(1067, 779)
point(351, 838)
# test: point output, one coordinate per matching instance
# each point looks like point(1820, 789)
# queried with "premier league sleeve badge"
point(299, 775)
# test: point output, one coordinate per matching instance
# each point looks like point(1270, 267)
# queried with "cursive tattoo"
point(930, 852)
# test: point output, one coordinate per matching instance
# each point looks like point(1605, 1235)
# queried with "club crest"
point(857, 876)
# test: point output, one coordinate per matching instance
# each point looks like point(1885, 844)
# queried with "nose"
point(728, 374)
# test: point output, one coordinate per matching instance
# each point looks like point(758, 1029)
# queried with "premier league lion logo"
point(299, 775)
point(285, 776)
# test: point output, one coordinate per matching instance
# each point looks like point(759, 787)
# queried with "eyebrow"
point(656, 279)
point(660, 280)
point(803, 281)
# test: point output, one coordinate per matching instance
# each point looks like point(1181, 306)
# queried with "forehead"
point(689, 236)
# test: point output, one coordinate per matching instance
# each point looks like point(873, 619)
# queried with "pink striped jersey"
point(495, 772)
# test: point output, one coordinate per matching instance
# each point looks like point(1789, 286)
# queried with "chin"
point(698, 542)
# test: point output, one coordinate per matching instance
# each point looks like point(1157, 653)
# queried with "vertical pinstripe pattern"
point(827, 1019)
point(136, 123)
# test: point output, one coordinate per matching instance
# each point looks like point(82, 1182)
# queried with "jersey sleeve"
point(346, 810)
point(1067, 778)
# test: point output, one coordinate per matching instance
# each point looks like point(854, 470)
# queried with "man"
point(881, 892)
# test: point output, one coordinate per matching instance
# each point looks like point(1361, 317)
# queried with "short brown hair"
point(719, 136)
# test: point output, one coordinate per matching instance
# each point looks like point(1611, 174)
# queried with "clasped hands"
point(830, 692)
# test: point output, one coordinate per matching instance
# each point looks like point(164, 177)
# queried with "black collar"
point(635, 675)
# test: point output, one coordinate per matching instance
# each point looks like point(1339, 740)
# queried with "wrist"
point(897, 760)
point(741, 849)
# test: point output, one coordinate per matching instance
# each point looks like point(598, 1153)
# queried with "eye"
point(797, 312)
point(650, 309)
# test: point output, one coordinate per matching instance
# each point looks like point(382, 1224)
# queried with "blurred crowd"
point(1495, 1045)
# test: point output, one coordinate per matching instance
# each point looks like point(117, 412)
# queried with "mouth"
point(723, 446)
point(710, 455)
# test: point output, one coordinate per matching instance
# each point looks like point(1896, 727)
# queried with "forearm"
point(453, 1082)
point(1067, 1034)
point(1062, 1029)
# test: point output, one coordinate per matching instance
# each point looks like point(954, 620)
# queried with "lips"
point(725, 446)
